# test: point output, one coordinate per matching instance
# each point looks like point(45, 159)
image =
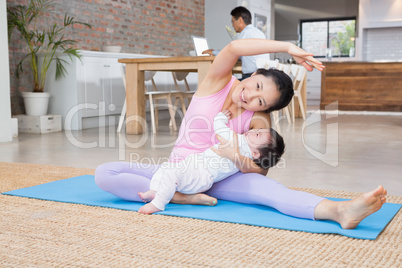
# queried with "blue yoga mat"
point(83, 190)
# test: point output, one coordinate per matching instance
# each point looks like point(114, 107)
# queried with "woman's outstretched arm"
point(229, 55)
point(220, 72)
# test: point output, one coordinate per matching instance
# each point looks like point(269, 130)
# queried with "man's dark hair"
point(272, 152)
point(243, 12)
point(284, 84)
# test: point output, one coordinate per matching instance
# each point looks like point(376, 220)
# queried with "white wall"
point(265, 8)
point(379, 22)
point(217, 16)
point(380, 14)
point(5, 106)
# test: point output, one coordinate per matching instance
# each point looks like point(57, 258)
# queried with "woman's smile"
point(241, 96)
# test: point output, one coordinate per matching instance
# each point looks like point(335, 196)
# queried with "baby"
point(197, 172)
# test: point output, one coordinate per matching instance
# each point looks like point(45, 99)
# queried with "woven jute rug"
point(37, 233)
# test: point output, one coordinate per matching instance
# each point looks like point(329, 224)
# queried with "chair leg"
point(275, 115)
point(186, 83)
point(288, 114)
point(183, 105)
point(156, 111)
point(293, 109)
point(172, 113)
point(176, 102)
point(188, 101)
point(175, 82)
point(123, 114)
point(152, 109)
point(301, 106)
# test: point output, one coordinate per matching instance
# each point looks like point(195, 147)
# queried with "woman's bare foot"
point(354, 211)
point(148, 196)
point(194, 199)
point(148, 209)
point(203, 199)
point(350, 213)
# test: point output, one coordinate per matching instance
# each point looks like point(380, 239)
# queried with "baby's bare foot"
point(148, 196)
point(352, 212)
point(148, 209)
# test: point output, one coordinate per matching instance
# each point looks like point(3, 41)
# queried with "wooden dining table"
point(135, 87)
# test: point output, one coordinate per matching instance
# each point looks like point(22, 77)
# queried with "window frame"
point(327, 20)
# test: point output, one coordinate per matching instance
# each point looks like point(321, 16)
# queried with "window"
point(329, 37)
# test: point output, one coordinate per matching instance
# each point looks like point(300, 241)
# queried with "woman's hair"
point(272, 152)
point(284, 84)
point(241, 12)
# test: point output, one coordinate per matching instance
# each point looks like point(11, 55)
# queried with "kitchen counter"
point(362, 86)
point(360, 61)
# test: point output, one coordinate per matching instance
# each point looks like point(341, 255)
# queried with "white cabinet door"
point(93, 94)
point(103, 87)
point(93, 87)
point(313, 87)
point(115, 93)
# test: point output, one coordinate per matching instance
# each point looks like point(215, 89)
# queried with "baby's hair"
point(272, 152)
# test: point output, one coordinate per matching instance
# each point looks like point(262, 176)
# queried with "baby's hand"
point(227, 113)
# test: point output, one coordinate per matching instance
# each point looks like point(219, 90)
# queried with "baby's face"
point(257, 138)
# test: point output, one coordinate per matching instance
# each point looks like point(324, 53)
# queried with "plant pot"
point(36, 103)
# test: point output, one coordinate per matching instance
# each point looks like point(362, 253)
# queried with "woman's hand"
point(304, 58)
point(229, 150)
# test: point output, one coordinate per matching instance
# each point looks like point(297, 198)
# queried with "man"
point(241, 22)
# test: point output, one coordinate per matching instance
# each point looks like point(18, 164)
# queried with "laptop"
point(200, 45)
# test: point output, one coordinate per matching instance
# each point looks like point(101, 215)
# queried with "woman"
point(246, 100)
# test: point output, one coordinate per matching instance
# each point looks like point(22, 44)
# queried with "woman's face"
point(256, 93)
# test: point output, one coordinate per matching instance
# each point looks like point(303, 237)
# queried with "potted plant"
point(49, 43)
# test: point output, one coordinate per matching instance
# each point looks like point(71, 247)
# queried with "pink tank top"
point(196, 132)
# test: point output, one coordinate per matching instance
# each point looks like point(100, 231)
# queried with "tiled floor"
point(335, 152)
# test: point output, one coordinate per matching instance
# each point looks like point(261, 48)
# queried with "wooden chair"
point(152, 96)
point(187, 93)
point(266, 63)
point(273, 64)
point(261, 63)
point(299, 73)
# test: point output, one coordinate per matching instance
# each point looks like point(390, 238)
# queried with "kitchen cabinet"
point(362, 86)
point(91, 92)
point(313, 88)
point(100, 83)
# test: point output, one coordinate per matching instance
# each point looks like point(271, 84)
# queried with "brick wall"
point(159, 27)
